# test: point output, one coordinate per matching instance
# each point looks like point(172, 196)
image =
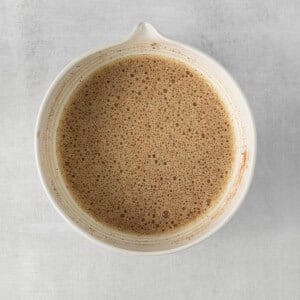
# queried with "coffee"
point(145, 145)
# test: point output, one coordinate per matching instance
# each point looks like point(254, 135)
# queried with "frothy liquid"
point(145, 145)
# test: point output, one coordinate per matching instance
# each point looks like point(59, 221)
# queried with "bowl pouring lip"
point(142, 32)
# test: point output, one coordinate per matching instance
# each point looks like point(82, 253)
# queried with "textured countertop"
point(255, 256)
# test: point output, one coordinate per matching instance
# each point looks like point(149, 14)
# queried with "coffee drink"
point(146, 145)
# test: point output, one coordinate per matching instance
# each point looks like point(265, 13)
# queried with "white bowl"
point(144, 40)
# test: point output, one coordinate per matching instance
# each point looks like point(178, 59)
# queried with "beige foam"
point(145, 144)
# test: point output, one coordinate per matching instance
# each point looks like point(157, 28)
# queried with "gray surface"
point(255, 256)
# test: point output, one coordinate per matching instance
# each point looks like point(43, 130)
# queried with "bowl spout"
point(144, 32)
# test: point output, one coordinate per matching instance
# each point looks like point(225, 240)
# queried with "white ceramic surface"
point(145, 40)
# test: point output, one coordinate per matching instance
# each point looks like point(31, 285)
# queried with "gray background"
point(255, 256)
